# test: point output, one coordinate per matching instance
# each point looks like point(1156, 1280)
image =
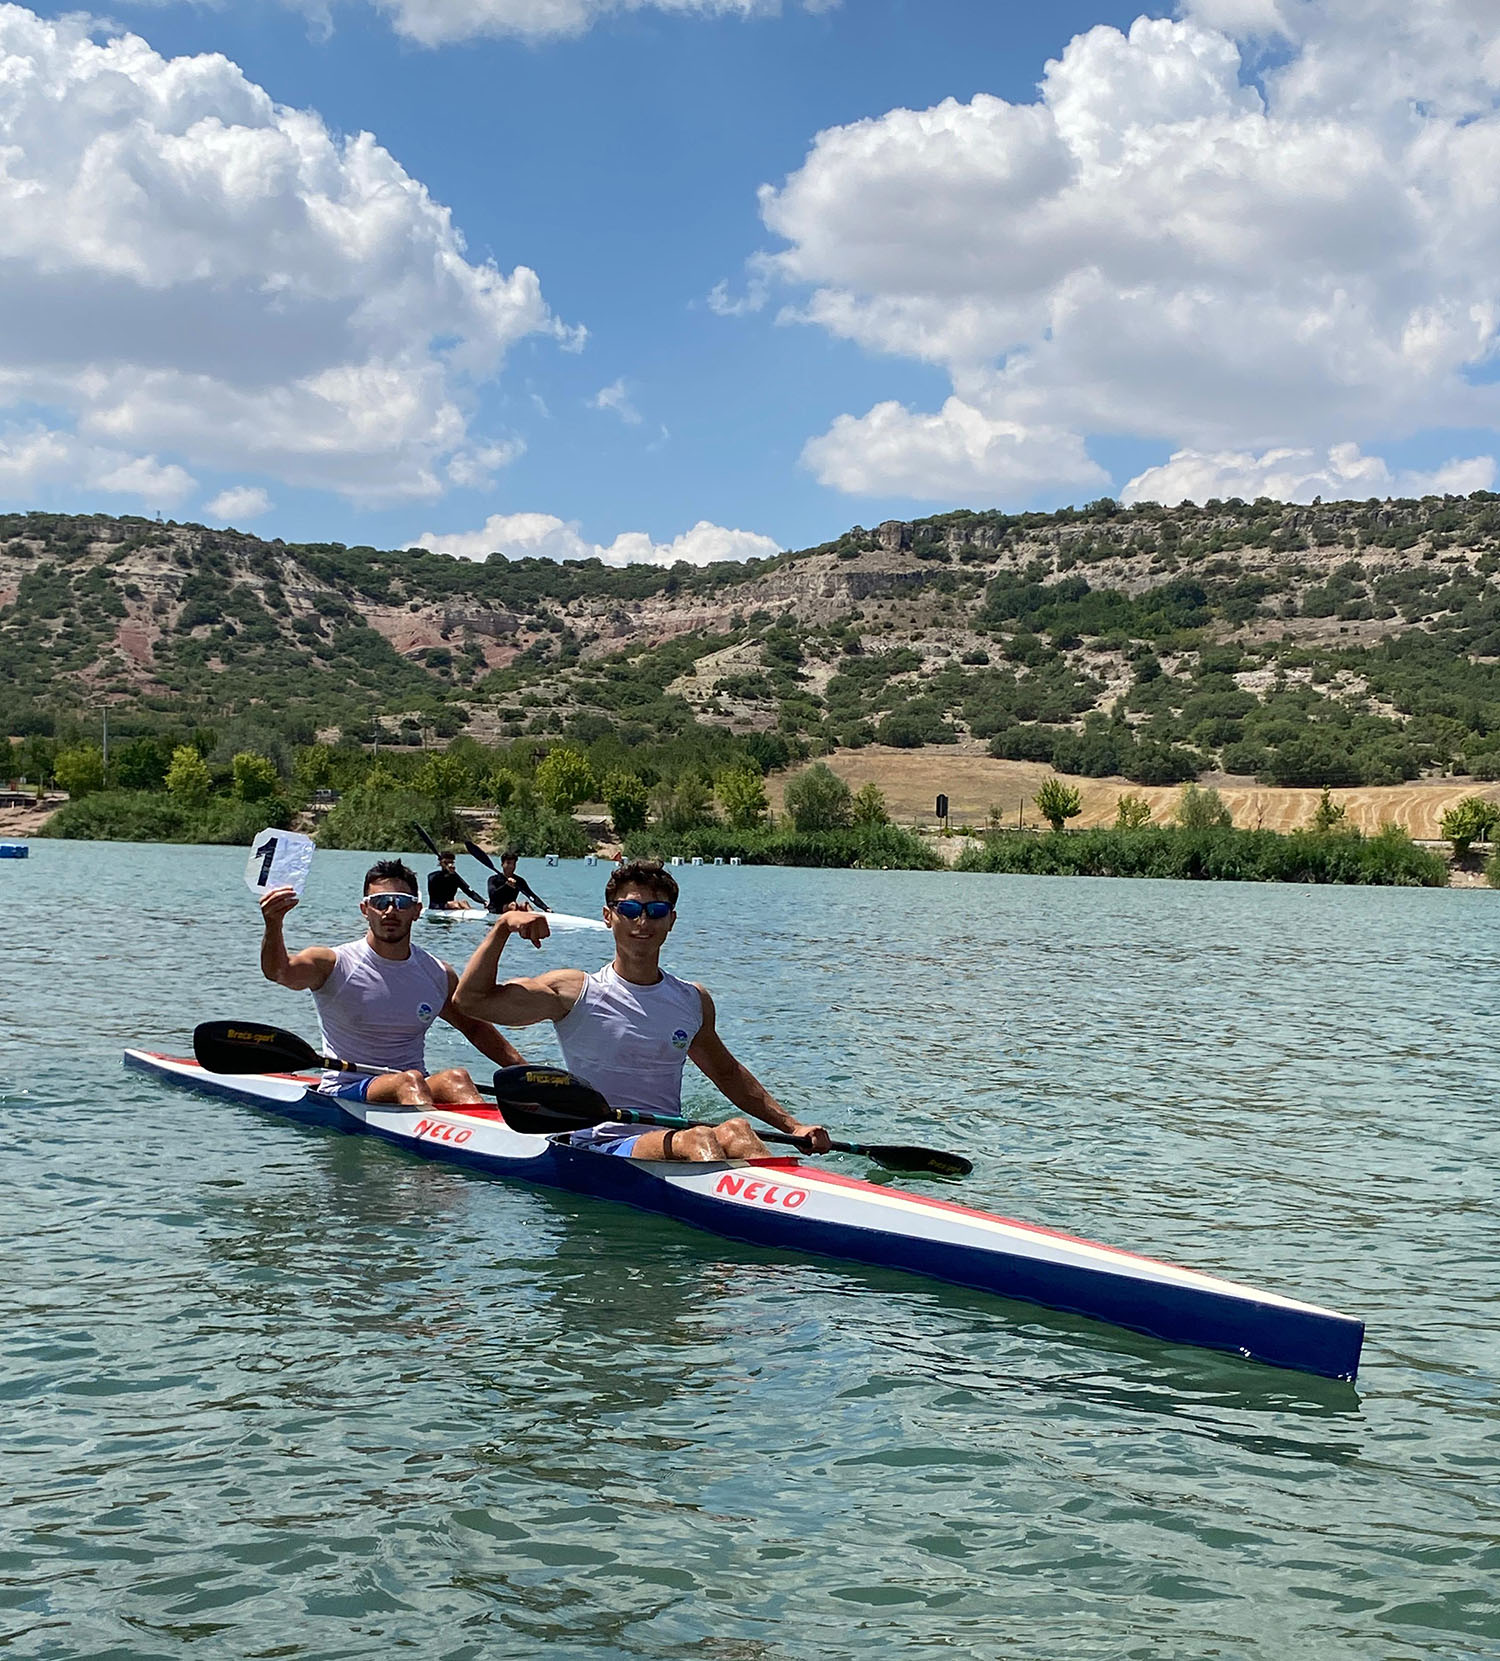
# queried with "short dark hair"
point(508, 856)
point(391, 870)
point(641, 873)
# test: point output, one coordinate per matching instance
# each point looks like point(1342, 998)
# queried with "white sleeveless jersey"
point(376, 1010)
point(629, 1041)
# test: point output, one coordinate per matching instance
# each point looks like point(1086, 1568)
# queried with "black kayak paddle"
point(537, 1101)
point(250, 1047)
point(542, 1101)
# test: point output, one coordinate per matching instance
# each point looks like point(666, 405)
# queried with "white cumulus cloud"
point(959, 452)
point(437, 22)
point(1299, 475)
point(239, 504)
point(1169, 243)
point(190, 267)
point(35, 460)
point(542, 535)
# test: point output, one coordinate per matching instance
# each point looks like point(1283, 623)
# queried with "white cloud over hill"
point(1166, 247)
point(438, 22)
point(541, 535)
point(188, 267)
point(1341, 474)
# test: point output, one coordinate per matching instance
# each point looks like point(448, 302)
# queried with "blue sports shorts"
point(615, 1139)
point(351, 1090)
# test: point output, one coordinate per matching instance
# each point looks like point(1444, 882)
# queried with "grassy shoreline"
point(1217, 854)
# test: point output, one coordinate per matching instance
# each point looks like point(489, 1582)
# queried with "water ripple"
point(273, 1392)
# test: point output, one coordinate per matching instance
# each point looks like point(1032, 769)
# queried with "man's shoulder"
point(565, 983)
point(430, 960)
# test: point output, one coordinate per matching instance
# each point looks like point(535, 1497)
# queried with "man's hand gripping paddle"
point(545, 1100)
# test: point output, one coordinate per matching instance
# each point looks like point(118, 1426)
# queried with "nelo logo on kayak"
point(768, 1193)
point(434, 1131)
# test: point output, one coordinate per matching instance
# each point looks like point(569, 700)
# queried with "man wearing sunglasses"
point(377, 996)
point(628, 1029)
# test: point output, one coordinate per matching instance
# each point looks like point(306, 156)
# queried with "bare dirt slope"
point(913, 779)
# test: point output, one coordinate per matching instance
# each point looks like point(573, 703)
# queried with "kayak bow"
point(789, 1205)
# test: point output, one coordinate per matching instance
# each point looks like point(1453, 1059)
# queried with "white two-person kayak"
point(558, 921)
point(791, 1205)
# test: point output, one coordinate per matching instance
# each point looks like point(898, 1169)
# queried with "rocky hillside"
point(1346, 643)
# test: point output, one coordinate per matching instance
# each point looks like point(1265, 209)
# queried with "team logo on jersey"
point(425, 1012)
point(680, 1039)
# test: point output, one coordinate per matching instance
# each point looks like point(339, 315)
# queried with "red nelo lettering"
point(729, 1184)
point(752, 1190)
point(424, 1127)
point(771, 1194)
point(794, 1198)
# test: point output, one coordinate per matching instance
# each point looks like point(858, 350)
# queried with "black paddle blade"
point(478, 853)
point(248, 1047)
point(548, 1099)
point(536, 1119)
point(432, 846)
point(897, 1158)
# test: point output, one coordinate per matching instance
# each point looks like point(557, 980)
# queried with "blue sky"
point(1003, 303)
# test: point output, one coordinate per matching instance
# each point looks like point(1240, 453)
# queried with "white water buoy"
point(591, 859)
point(734, 859)
point(697, 859)
point(552, 859)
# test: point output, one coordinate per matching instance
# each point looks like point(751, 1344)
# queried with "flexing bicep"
point(522, 1003)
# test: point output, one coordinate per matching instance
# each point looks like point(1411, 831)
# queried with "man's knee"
point(411, 1087)
point(736, 1140)
point(696, 1144)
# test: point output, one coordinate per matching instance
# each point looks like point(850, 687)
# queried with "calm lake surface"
point(278, 1392)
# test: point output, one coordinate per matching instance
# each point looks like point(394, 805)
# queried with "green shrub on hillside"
point(255, 777)
point(79, 770)
point(384, 820)
point(626, 798)
point(1472, 820)
point(150, 816)
point(1056, 801)
point(867, 847)
point(533, 829)
point(1200, 809)
point(1219, 854)
point(819, 800)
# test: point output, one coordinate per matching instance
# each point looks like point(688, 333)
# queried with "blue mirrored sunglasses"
point(632, 909)
point(392, 902)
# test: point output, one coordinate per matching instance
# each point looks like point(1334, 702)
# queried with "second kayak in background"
point(558, 921)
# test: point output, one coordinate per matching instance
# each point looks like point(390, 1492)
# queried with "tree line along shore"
point(184, 683)
point(541, 799)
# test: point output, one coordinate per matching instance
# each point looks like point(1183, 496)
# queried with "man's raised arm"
point(515, 1003)
point(302, 971)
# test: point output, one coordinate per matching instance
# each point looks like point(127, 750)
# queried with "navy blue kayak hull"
point(790, 1207)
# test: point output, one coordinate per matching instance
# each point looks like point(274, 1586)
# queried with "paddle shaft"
point(245, 1047)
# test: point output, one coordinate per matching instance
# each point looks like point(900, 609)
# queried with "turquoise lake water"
point(277, 1392)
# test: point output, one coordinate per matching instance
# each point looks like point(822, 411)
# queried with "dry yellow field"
point(912, 780)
